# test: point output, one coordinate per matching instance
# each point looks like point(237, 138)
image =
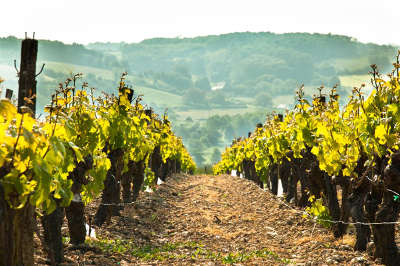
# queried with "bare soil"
point(210, 220)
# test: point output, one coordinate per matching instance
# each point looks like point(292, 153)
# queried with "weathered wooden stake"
point(9, 94)
point(27, 74)
point(16, 226)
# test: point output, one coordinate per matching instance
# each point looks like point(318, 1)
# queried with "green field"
point(160, 98)
point(71, 68)
point(354, 80)
point(343, 64)
point(202, 114)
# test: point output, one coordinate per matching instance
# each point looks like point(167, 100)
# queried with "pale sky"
point(87, 21)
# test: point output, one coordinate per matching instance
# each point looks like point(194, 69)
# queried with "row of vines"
point(85, 146)
point(322, 151)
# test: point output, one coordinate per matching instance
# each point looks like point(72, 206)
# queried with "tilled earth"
point(210, 220)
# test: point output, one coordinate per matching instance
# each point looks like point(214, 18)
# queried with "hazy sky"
point(87, 21)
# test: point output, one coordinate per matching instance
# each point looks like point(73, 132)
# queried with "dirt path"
point(213, 220)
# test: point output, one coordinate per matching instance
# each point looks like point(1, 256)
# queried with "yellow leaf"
point(346, 172)
point(380, 133)
point(136, 120)
point(315, 150)
point(7, 109)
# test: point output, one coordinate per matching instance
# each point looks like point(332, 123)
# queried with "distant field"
point(202, 114)
point(343, 64)
point(151, 96)
point(354, 80)
point(71, 68)
point(160, 98)
point(246, 100)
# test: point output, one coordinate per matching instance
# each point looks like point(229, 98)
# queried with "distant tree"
point(182, 130)
point(213, 136)
point(194, 97)
point(215, 156)
point(196, 131)
point(263, 86)
point(183, 70)
point(196, 143)
point(189, 119)
point(217, 121)
point(198, 156)
point(213, 122)
point(176, 80)
point(263, 99)
point(203, 83)
point(326, 70)
point(229, 132)
point(217, 97)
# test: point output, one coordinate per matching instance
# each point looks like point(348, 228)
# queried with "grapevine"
point(323, 145)
point(83, 145)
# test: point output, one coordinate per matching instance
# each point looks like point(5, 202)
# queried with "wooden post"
point(9, 94)
point(148, 112)
point(27, 74)
point(16, 226)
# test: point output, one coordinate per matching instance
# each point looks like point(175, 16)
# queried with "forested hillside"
point(249, 63)
point(240, 75)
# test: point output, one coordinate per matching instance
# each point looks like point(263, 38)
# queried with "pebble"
point(345, 247)
point(331, 261)
point(337, 258)
point(358, 260)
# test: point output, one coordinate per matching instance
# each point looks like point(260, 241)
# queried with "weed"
point(171, 251)
point(65, 239)
point(319, 212)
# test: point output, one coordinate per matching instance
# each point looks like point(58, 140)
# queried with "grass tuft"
point(189, 250)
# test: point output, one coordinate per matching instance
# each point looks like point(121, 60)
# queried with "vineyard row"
point(322, 152)
point(85, 146)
